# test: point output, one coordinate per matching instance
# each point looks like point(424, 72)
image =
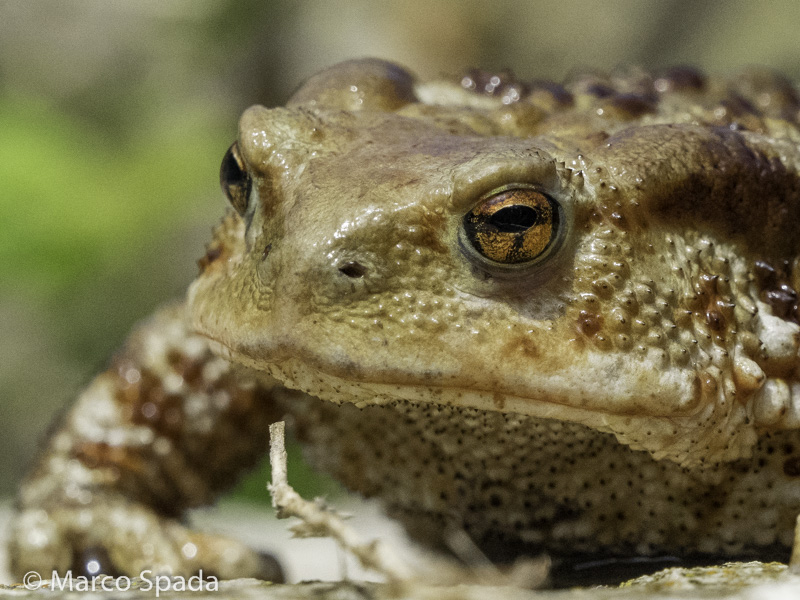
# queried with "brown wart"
point(589, 323)
point(626, 107)
point(769, 91)
point(791, 466)
point(680, 79)
point(776, 290)
point(718, 309)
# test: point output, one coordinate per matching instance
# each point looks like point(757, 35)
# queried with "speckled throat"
point(517, 483)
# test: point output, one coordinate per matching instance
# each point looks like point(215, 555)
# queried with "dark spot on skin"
point(211, 255)
point(101, 454)
point(738, 107)
point(146, 401)
point(738, 114)
point(766, 275)
point(715, 320)
point(159, 410)
point(523, 345)
point(599, 90)
point(556, 94)
point(782, 300)
point(591, 84)
point(680, 79)
point(353, 269)
point(190, 370)
point(716, 308)
point(630, 105)
point(317, 135)
point(709, 283)
point(618, 219)
point(770, 91)
point(589, 323)
point(776, 291)
point(499, 400)
point(266, 252)
point(791, 466)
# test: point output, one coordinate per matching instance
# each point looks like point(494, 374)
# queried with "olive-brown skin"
point(625, 383)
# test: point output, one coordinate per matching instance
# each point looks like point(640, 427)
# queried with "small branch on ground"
point(319, 520)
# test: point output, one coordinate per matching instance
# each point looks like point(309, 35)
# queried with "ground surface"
point(315, 569)
point(302, 559)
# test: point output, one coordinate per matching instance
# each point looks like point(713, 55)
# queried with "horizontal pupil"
point(514, 219)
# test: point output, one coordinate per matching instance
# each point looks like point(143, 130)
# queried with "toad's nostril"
point(353, 269)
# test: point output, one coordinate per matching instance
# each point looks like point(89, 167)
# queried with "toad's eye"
point(514, 225)
point(235, 180)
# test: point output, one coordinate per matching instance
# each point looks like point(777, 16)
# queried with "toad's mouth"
point(297, 374)
point(665, 413)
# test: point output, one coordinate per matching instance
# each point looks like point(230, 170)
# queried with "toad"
point(557, 318)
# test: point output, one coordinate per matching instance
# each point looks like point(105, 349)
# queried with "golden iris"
point(512, 226)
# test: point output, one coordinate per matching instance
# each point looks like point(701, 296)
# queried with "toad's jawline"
point(297, 374)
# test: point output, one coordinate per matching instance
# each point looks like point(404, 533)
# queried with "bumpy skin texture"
point(633, 391)
point(167, 427)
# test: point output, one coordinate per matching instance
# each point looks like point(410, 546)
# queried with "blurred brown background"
point(114, 115)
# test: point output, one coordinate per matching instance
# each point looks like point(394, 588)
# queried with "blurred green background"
point(114, 115)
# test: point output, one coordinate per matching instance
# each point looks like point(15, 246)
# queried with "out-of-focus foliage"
point(75, 195)
point(114, 116)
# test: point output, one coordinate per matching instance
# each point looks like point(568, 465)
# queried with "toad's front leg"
point(167, 427)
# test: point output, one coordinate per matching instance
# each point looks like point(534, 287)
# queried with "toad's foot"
point(166, 428)
point(119, 537)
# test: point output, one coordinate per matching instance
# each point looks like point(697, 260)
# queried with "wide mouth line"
point(404, 390)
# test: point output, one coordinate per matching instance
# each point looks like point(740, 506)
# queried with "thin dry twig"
point(319, 520)
point(322, 521)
